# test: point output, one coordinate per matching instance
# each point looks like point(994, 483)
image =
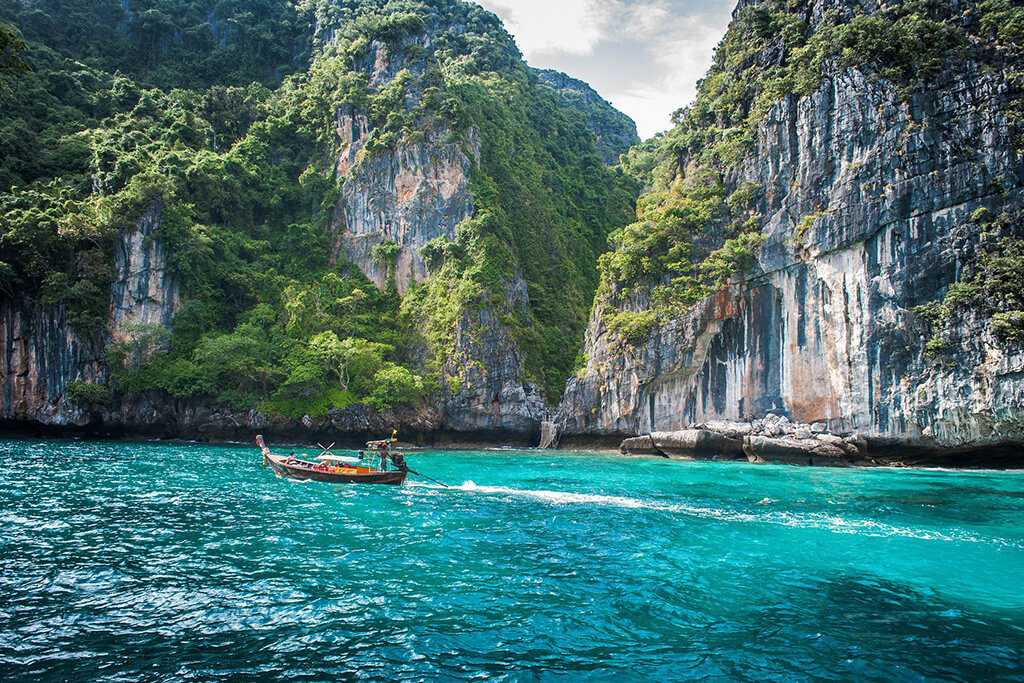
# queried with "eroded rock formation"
point(41, 354)
point(868, 200)
point(408, 195)
point(143, 292)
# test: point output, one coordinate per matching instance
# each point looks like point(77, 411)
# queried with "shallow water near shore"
point(153, 561)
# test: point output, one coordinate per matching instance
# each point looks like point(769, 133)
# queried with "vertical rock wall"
point(822, 329)
point(42, 352)
point(143, 292)
point(487, 392)
point(408, 195)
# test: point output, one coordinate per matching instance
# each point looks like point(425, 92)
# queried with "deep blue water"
point(126, 562)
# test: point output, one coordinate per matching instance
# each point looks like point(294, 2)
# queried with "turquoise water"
point(124, 562)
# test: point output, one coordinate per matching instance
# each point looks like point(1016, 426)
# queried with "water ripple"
point(183, 562)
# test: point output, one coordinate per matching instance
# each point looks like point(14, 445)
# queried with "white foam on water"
point(811, 520)
point(563, 497)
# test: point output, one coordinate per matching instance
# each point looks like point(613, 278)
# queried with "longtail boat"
point(383, 466)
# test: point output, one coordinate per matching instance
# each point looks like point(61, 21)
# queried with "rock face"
point(153, 414)
point(614, 132)
point(488, 393)
point(696, 443)
point(408, 195)
point(41, 354)
point(868, 202)
point(143, 292)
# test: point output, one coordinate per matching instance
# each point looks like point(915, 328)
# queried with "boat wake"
point(803, 520)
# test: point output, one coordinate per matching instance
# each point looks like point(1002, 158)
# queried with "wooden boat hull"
point(298, 469)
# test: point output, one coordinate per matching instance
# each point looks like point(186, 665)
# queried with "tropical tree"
point(11, 49)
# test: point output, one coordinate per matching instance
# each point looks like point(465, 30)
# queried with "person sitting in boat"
point(399, 461)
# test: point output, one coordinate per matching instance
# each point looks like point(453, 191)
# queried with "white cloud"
point(682, 47)
point(567, 26)
point(645, 56)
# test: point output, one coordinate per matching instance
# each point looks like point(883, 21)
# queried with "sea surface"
point(171, 562)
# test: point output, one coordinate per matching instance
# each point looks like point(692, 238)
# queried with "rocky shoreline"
point(197, 421)
point(773, 439)
point(776, 439)
point(735, 442)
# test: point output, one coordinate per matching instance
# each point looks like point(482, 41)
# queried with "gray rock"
point(258, 420)
point(485, 379)
point(143, 293)
point(409, 195)
point(639, 445)
point(697, 443)
point(794, 452)
point(548, 434)
point(857, 443)
point(727, 428)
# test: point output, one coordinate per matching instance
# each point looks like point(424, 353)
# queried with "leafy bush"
point(86, 393)
point(315, 405)
point(735, 256)
point(11, 49)
point(982, 216)
point(1003, 19)
point(1009, 326)
point(395, 386)
point(936, 346)
point(633, 327)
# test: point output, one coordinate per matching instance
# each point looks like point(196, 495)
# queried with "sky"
point(643, 56)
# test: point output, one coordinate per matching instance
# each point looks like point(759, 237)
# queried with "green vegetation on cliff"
point(221, 118)
point(11, 47)
point(615, 132)
point(696, 224)
point(992, 283)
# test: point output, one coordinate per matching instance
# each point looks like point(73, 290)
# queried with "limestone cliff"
point(409, 145)
point(43, 352)
point(485, 386)
point(865, 201)
point(143, 292)
point(614, 132)
point(417, 192)
point(408, 195)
